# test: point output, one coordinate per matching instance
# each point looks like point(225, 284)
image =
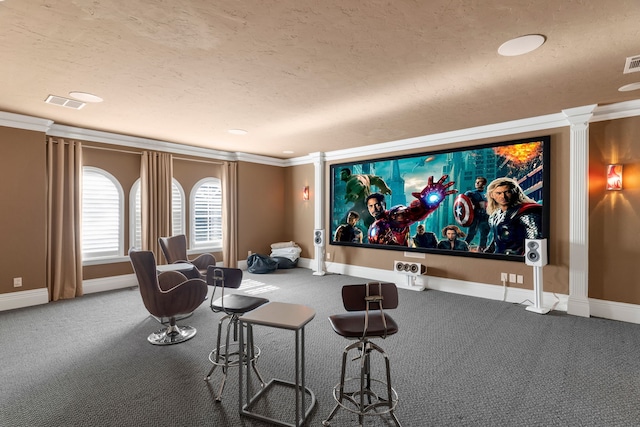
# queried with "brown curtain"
point(230, 214)
point(156, 171)
point(64, 196)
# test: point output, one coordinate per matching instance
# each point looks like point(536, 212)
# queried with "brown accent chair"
point(233, 306)
point(167, 294)
point(174, 249)
point(365, 319)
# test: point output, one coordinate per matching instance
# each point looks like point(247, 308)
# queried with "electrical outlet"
point(520, 278)
point(503, 277)
point(512, 278)
point(17, 282)
point(249, 254)
point(328, 256)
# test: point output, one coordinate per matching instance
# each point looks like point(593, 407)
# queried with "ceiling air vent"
point(64, 102)
point(632, 65)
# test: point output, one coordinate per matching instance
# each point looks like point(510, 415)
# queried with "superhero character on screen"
point(358, 188)
point(513, 217)
point(451, 241)
point(349, 232)
point(424, 239)
point(391, 227)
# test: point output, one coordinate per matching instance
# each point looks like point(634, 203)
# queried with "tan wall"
point(22, 209)
point(556, 274)
point(261, 208)
point(271, 209)
point(614, 219)
point(300, 219)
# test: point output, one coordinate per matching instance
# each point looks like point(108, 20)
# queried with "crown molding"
point(616, 111)
point(264, 160)
point(532, 124)
point(20, 121)
point(137, 142)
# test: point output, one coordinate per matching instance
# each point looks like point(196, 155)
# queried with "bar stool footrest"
point(233, 355)
point(351, 400)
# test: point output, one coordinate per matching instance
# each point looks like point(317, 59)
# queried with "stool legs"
point(225, 357)
point(355, 401)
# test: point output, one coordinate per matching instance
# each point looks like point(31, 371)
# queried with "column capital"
point(579, 115)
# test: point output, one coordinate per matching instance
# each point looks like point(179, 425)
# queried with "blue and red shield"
point(463, 210)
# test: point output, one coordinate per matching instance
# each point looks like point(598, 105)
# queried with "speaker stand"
point(319, 270)
point(537, 292)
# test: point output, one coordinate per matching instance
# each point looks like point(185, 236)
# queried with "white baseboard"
point(103, 284)
point(598, 308)
point(615, 310)
point(21, 299)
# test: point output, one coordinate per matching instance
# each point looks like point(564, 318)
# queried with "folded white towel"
point(292, 253)
point(279, 245)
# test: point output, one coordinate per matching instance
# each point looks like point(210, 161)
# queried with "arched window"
point(135, 212)
point(206, 217)
point(177, 208)
point(102, 214)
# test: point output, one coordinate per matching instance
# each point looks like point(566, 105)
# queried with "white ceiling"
point(309, 75)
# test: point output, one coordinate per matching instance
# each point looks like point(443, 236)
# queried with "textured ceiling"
point(308, 75)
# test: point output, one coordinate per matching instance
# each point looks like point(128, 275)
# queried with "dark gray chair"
point(233, 306)
point(365, 319)
point(174, 249)
point(167, 295)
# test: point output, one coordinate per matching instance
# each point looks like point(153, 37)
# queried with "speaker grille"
point(318, 237)
point(409, 268)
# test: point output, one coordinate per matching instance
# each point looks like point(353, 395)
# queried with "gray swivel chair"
point(233, 306)
point(365, 319)
point(167, 295)
point(174, 249)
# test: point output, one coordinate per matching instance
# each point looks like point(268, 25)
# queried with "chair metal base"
point(230, 355)
point(167, 320)
point(173, 334)
point(371, 396)
point(351, 401)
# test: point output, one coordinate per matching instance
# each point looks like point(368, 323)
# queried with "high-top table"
point(284, 316)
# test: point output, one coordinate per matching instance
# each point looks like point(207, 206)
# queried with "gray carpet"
point(457, 361)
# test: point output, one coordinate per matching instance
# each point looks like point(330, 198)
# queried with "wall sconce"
point(614, 177)
point(305, 193)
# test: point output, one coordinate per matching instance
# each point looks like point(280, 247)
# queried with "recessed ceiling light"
point(629, 87)
point(85, 97)
point(237, 131)
point(288, 152)
point(521, 45)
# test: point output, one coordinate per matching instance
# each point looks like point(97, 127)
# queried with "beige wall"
point(614, 216)
point(261, 208)
point(300, 219)
point(271, 209)
point(22, 209)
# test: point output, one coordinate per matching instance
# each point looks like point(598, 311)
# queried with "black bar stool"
point(365, 319)
point(233, 305)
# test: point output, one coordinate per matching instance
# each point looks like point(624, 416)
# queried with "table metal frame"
point(284, 316)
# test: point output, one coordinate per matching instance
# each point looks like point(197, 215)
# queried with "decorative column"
point(578, 118)
point(319, 204)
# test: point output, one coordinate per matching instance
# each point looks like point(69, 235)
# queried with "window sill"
point(105, 260)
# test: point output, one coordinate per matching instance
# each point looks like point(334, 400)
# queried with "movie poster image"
point(482, 201)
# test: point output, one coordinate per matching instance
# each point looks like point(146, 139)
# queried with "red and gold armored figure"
point(391, 227)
